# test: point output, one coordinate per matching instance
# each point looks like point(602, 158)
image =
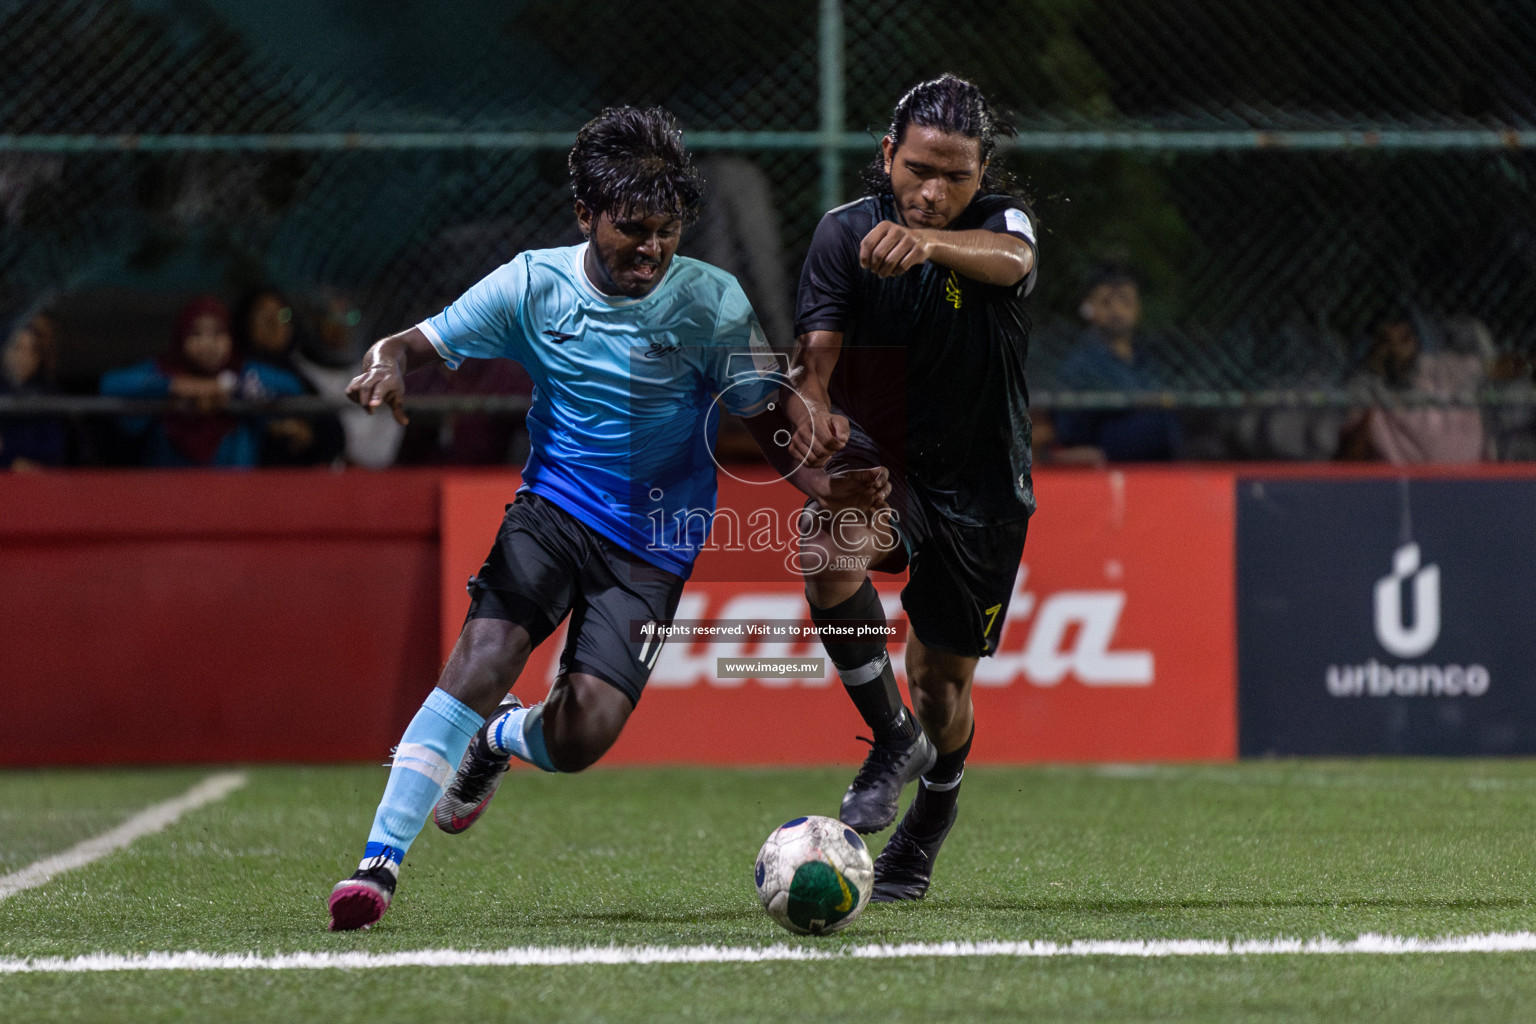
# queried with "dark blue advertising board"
point(1386, 616)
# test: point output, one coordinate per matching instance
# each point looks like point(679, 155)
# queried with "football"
point(814, 875)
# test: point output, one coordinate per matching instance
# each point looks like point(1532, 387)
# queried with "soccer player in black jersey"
point(911, 339)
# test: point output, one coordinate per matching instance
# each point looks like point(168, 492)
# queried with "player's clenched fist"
point(817, 436)
point(891, 249)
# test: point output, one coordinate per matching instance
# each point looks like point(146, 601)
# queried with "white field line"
point(567, 956)
point(151, 819)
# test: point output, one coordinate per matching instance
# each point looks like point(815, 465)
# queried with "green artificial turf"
point(632, 857)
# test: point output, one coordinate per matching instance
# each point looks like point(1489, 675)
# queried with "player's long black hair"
point(629, 160)
point(950, 104)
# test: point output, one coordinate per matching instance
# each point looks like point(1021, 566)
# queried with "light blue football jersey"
point(620, 430)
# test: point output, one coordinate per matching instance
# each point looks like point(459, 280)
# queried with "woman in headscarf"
point(202, 370)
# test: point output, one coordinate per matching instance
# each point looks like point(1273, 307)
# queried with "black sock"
point(879, 703)
point(939, 789)
point(862, 662)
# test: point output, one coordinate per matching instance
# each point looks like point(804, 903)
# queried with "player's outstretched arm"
point(817, 431)
point(382, 381)
point(991, 257)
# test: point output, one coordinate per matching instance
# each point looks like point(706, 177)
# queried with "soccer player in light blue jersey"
point(628, 347)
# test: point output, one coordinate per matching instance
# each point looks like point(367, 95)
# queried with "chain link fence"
point(1279, 171)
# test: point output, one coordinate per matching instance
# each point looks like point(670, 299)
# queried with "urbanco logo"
point(1408, 639)
point(1406, 635)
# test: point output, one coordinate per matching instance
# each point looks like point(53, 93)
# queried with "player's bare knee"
point(938, 699)
point(934, 714)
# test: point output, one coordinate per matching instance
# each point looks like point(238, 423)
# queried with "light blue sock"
point(425, 762)
point(520, 732)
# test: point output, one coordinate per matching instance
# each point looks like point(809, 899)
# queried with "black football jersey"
point(932, 363)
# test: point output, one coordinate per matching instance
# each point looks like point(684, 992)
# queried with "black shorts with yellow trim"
point(960, 577)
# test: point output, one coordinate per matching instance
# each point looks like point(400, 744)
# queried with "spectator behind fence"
point(263, 331)
point(1512, 428)
point(328, 359)
point(28, 366)
point(1396, 364)
point(1111, 357)
point(1509, 428)
point(202, 370)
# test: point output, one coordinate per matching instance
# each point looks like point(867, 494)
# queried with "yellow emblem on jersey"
point(952, 290)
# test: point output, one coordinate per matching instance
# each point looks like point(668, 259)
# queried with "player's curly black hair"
point(629, 160)
point(950, 104)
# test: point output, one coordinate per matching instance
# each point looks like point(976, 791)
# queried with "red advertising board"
point(1118, 644)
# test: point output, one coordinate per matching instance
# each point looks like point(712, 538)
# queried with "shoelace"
point(902, 844)
point(882, 760)
point(477, 774)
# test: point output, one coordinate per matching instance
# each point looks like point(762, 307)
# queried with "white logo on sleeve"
point(1018, 222)
point(1405, 640)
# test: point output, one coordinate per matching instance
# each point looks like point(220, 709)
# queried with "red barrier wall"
point(191, 616)
point(1119, 643)
point(186, 617)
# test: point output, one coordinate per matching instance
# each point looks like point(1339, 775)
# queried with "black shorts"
point(546, 564)
point(959, 577)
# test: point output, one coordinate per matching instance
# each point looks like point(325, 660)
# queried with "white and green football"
point(814, 875)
